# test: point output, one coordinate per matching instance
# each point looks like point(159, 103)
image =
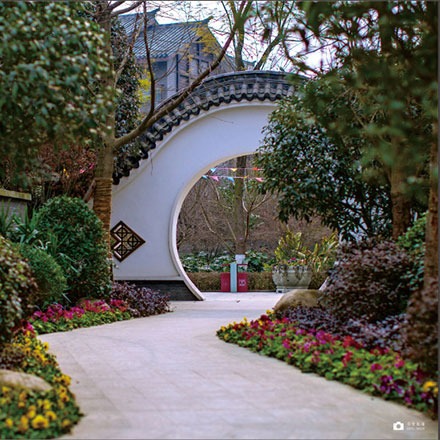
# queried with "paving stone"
point(170, 377)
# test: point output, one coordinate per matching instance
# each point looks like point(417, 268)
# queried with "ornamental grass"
point(378, 371)
point(26, 413)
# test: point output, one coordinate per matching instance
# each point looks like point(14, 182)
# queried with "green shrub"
point(17, 290)
point(367, 281)
point(206, 281)
point(413, 241)
point(261, 281)
point(47, 273)
point(210, 281)
point(80, 246)
point(205, 262)
point(258, 261)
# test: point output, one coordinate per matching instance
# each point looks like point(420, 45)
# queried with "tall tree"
point(390, 64)
point(391, 51)
point(52, 62)
point(316, 171)
point(111, 144)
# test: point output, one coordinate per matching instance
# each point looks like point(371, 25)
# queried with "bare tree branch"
point(162, 111)
point(114, 5)
point(124, 11)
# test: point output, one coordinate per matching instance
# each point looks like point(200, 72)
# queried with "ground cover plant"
point(378, 371)
point(58, 318)
point(126, 301)
point(26, 413)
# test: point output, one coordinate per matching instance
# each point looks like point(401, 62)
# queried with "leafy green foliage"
point(50, 83)
point(17, 290)
point(413, 241)
point(386, 58)
point(47, 273)
point(290, 250)
point(317, 173)
point(256, 261)
point(80, 249)
point(380, 372)
point(206, 262)
point(367, 281)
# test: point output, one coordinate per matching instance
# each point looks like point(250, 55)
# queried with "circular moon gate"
point(223, 119)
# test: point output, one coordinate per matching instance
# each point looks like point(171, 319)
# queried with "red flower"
point(347, 358)
point(375, 367)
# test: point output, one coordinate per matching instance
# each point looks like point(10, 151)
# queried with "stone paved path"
point(170, 377)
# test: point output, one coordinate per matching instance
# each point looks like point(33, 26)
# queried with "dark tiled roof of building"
point(163, 39)
point(214, 91)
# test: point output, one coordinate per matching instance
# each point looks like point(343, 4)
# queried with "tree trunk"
point(400, 205)
point(102, 199)
point(421, 330)
point(431, 235)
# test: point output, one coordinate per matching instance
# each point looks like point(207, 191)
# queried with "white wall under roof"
point(150, 199)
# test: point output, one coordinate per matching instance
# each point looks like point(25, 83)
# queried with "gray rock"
point(16, 379)
point(297, 297)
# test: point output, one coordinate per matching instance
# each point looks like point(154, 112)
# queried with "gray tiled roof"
point(163, 39)
point(214, 91)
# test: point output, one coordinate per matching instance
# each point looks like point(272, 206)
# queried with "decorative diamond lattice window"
point(125, 241)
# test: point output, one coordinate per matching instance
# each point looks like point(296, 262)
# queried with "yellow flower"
point(63, 379)
point(47, 404)
point(46, 345)
point(5, 390)
point(9, 423)
point(66, 423)
point(428, 385)
point(51, 415)
point(24, 424)
point(21, 404)
point(40, 422)
point(22, 396)
point(31, 413)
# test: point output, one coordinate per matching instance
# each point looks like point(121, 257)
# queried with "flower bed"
point(378, 371)
point(57, 319)
point(37, 414)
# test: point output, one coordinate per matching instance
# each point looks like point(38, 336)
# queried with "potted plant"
point(292, 270)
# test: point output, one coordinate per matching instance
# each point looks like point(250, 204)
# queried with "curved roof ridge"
point(251, 85)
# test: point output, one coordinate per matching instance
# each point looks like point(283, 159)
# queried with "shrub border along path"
point(169, 377)
point(380, 372)
point(38, 414)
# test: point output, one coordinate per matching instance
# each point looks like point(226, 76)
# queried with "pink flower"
point(375, 367)
point(400, 363)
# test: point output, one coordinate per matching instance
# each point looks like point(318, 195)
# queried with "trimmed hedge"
point(210, 281)
point(77, 244)
point(47, 273)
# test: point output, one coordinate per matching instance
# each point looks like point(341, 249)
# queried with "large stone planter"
point(291, 277)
